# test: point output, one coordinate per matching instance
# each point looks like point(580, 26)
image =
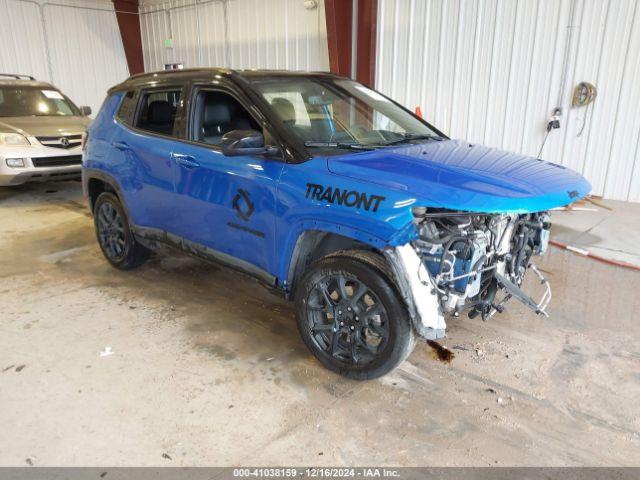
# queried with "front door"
point(227, 203)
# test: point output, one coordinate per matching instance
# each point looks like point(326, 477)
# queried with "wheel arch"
point(96, 182)
point(319, 241)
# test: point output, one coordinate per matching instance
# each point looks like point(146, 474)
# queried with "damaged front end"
point(468, 262)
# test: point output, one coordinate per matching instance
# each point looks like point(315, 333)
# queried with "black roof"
point(144, 79)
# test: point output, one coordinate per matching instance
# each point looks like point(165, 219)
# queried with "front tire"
point(117, 243)
point(351, 318)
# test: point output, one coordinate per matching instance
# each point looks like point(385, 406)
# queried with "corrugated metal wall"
point(491, 71)
point(76, 45)
point(235, 33)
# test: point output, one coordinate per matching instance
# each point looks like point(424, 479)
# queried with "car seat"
point(287, 113)
point(216, 122)
point(285, 110)
point(222, 115)
point(159, 117)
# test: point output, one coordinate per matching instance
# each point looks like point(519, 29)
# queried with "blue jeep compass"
point(374, 222)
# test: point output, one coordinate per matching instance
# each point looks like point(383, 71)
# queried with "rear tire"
point(116, 241)
point(350, 316)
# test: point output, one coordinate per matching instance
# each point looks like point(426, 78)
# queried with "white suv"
point(40, 132)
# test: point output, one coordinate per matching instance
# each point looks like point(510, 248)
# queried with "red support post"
point(339, 14)
point(129, 24)
point(366, 42)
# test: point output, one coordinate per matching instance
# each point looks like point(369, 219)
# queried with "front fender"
point(368, 237)
point(312, 198)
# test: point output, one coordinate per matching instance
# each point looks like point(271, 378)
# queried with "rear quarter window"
point(127, 109)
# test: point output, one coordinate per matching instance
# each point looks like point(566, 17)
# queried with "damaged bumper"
point(474, 264)
point(418, 291)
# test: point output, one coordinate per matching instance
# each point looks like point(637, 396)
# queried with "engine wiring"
point(466, 255)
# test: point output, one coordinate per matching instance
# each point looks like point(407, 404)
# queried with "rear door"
point(147, 167)
point(226, 203)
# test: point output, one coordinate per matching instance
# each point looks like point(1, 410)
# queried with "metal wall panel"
point(22, 38)
point(491, 71)
point(76, 45)
point(235, 34)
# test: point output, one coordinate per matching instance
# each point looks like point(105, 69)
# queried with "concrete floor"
point(207, 367)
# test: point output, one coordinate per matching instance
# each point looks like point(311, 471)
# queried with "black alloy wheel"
point(110, 231)
point(351, 317)
point(117, 243)
point(346, 319)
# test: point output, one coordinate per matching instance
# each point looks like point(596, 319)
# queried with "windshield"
point(32, 101)
point(330, 113)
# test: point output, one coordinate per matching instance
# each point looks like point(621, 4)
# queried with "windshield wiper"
point(413, 136)
point(352, 146)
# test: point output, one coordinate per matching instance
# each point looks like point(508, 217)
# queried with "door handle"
point(121, 146)
point(186, 161)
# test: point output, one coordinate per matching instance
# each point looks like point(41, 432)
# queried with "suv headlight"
point(13, 139)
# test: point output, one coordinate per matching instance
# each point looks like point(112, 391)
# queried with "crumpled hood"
point(45, 126)
point(461, 176)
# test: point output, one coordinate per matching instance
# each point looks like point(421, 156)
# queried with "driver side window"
point(218, 113)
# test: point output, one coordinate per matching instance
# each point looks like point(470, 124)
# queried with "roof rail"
point(181, 70)
point(17, 76)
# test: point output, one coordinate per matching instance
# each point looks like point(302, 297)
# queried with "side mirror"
point(86, 111)
point(243, 142)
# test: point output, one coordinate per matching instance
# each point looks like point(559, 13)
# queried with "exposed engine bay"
point(472, 263)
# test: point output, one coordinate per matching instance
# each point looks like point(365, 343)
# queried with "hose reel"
point(583, 94)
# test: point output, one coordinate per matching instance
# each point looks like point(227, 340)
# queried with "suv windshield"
point(18, 101)
point(328, 113)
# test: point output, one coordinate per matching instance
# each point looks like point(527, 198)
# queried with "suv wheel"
point(114, 235)
point(350, 316)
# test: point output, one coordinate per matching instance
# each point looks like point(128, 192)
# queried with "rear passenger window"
point(127, 108)
point(158, 111)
